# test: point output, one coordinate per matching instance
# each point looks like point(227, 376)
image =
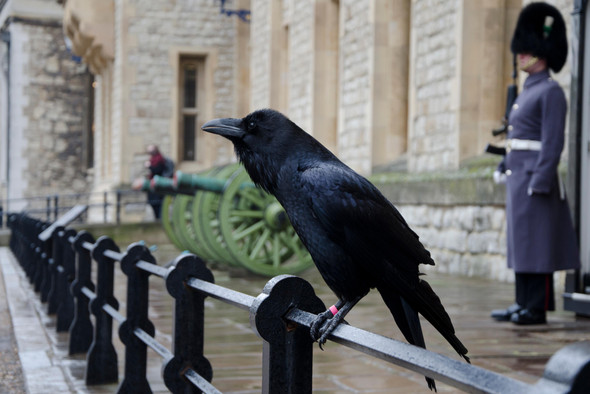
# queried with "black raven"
point(356, 237)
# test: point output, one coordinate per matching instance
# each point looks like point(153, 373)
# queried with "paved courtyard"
point(34, 356)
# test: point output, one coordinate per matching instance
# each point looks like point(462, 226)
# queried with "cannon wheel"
point(183, 224)
point(257, 231)
point(166, 217)
point(207, 227)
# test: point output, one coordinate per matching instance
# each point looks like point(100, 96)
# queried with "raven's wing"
point(369, 228)
point(358, 217)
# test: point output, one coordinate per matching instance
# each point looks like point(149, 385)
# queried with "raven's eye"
point(251, 125)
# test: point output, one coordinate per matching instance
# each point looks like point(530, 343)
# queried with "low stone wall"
point(466, 240)
point(459, 217)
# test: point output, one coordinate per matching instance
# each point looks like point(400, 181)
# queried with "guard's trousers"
point(535, 291)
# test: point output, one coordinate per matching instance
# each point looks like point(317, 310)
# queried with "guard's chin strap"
point(514, 69)
point(532, 60)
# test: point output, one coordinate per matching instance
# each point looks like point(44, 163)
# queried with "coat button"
point(508, 172)
point(510, 127)
point(515, 106)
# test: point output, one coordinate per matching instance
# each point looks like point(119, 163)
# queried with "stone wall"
point(48, 104)
point(301, 71)
point(261, 54)
point(356, 42)
point(459, 217)
point(150, 37)
point(468, 240)
point(459, 67)
point(432, 124)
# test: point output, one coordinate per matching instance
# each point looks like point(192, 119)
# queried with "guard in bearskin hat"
point(540, 234)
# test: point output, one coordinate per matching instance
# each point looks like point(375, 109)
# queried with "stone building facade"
point(410, 86)
point(44, 100)
point(419, 86)
point(136, 49)
point(419, 82)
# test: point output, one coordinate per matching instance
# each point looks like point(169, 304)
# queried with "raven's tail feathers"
point(408, 322)
point(420, 298)
point(430, 306)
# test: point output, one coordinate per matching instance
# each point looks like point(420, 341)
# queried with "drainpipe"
point(5, 37)
point(576, 145)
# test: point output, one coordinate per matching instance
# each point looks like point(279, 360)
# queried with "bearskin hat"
point(541, 31)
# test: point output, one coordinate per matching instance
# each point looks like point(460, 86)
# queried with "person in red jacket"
point(156, 166)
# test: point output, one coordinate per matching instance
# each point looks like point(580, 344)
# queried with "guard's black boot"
point(528, 316)
point(505, 314)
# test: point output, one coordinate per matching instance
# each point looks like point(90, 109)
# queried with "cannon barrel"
point(198, 182)
point(184, 183)
point(162, 185)
point(222, 216)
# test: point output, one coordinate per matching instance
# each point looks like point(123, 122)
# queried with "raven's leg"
point(323, 325)
point(316, 325)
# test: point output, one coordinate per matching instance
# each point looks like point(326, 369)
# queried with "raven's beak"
point(227, 127)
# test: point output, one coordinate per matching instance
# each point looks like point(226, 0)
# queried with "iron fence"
point(107, 207)
point(59, 267)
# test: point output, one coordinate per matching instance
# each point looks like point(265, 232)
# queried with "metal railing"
point(105, 207)
point(60, 270)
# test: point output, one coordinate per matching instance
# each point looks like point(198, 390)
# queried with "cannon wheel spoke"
point(249, 238)
point(206, 222)
point(167, 206)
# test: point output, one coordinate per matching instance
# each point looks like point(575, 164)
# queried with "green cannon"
point(222, 216)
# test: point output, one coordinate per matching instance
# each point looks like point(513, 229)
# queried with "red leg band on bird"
point(334, 310)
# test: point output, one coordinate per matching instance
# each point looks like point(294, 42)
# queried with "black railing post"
point(135, 380)
point(287, 349)
point(48, 207)
point(31, 265)
point(81, 329)
point(41, 272)
point(105, 206)
point(189, 316)
point(46, 267)
point(27, 242)
point(65, 309)
point(56, 207)
point(54, 263)
point(16, 238)
point(568, 370)
point(118, 218)
point(12, 223)
point(35, 249)
point(102, 364)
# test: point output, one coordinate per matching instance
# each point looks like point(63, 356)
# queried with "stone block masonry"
point(354, 144)
point(463, 240)
point(432, 123)
point(48, 107)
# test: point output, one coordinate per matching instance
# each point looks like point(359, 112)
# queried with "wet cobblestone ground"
point(235, 351)
point(11, 376)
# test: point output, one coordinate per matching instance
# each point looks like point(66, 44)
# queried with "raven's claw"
point(316, 331)
point(323, 326)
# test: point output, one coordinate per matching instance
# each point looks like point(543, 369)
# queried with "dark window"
point(191, 75)
point(188, 142)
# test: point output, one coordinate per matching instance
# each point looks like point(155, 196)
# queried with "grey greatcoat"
point(540, 234)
